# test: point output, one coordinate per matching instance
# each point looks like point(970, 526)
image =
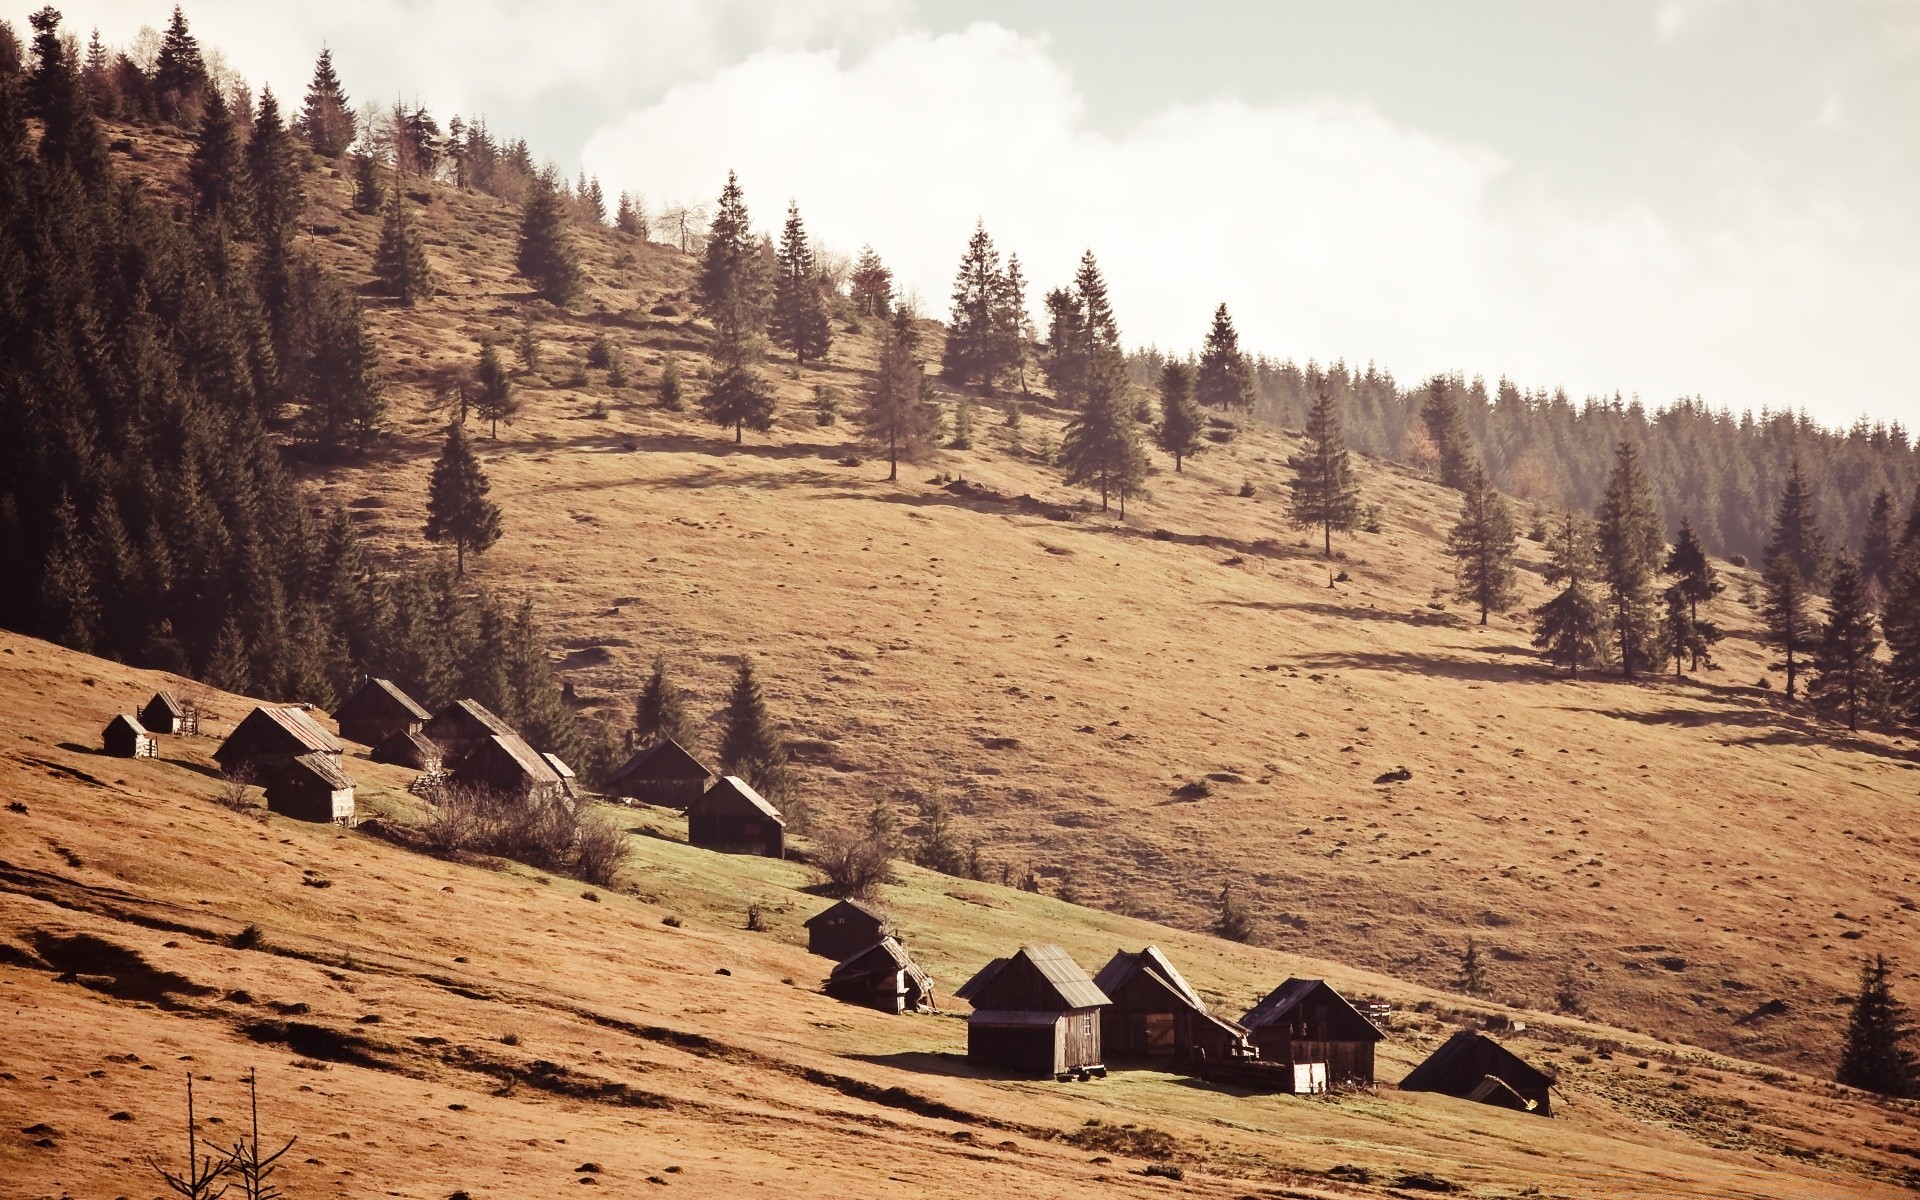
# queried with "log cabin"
point(126, 737)
point(1156, 1014)
point(1474, 1067)
point(163, 713)
point(1306, 1021)
point(663, 773)
point(377, 710)
point(844, 929)
point(1036, 1014)
point(883, 976)
point(272, 736)
point(311, 787)
point(731, 816)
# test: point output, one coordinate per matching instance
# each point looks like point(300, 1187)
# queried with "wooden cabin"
point(1305, 1021)
point(731, 816)
point(461, 726)
point(664, 774)
point(312, 787)
point(163, 713)
point(1035, 1014)
point(408, 748)
point(1156, 1014)
point(376, 711)
point(126, 737)
point(271, 736)
point(882, 976)
point(1473, 1066)
point(844, 930)
point(506, 763)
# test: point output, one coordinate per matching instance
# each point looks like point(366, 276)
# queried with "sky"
point(1710, 198)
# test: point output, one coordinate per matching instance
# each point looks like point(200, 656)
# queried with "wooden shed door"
point(1158, 1033)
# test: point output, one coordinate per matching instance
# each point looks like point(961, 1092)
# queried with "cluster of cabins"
point(1037, 1014)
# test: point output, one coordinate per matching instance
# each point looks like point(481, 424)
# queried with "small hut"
point(664, 774)
point(312, 787)
point(163, 713)
point(1156, 1014)
point(377, 710)
point(1036, 1014)
point(882, 976)
point(844, 929)
point(462, 725)
point(270, 737)
point(126, 737)
point(408, 748)
point(568, 787)
point(731, 816)
point(1305, 1021)
point(1473, 1066)
point(506, 763)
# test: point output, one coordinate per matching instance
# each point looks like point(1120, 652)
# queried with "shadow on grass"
point(953, 1066)
point(1322, 608)
point(1770, 726)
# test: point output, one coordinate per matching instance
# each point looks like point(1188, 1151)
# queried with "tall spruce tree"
point(660, 712)
point(493, 400)
point(1845, 673)
point(458, 510)
point(750, 743)
point(1225, 378)
point(272, 174)
point(1787, 610)
point(733, 288)
point(1323, 492)
point(339, 367)
point(1698, 583)
point(1877, 545)
point(1631, 545)
point(546, 255)
point(1440, 416)
point(1875, 1056)
point(217, 170)
point(1796, 535)
point(739, 397)
point(1481, 544)
point(1012, 327)
point(1081, 331)
point(1570, 629)
point(871, 285)
point(369, 189)
point(1181, 418)
point(400, 260)
point(1100, 446)
point(326, 119)
point(895, 414)
point(974, 343)
point(179, 72)
point(1679, 640)
point(799, 301)
point(1900, 620)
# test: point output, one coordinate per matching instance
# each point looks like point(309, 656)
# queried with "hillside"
point(1711, 863)
point(431, 1028)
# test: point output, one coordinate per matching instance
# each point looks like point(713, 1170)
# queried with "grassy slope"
point(492, 1029)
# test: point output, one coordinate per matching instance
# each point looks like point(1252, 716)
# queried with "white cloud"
point(1329, 230)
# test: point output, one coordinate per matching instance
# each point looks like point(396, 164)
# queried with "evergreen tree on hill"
point(1224, 380)
point(734, 286)
point(1012, 327)
point(896, 414)
point(326, 119)
point(547, 257)
point(661, 714)
point(1481, 544)
point(493, 399)
point(217, 170)
point(1570, 629)
point(1181, 419)
point(369, 191)
point(1100, 446)
point(739, 397)
point(974, 344)
point(400, 261)
point(1440, 416)
point(1788, 612)
point(750, 744)
point(1910, 532)
point(799, 301)
point(1845, 674)
point(1698, 583)
point(340, 372)
point(179, 72)
point(1631, 545)
point(1900, 619)
point(1877, 546)
point(871, 285)
point(1081, 332)
point(1323, 492)
point(458, 510)
point(1875, 1056)
point(272, 174)
point(1796, 534)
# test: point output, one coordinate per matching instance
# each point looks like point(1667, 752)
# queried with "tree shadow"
point(1533, 671)
point(930, 1062)
point(1257, 548)
point(1772, 727)
point(1324, 608)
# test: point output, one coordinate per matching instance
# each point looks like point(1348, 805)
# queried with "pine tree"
point(71, 136)
point(458, 510)
point(278, 197)
point(799, 302)
point(1323, 492)
point(1012, 327)
point(1631, 545)
point(1699, 583)
point(631, 216)
point(1441, 418)
point(1796, 532)
point(974, 344)
point(1569, 628)
point(1473, 969)
point(539, 705)
point(1788, 613)
point(733, 288)
point(179, 71)
point(1875, 1056)
point(1081, 332)
point(1225, 380)
point(228, 666)
point(340, 371)
point(494, 401)
point(1844, 670)
point(217, 170)
point(670, 395)
point(895, 414)
point(871, 285)
point(70, 608)
point(740, 398)
point(546, 254)
point(369, 192)
point(1481, 544)
point(1900, 620)
point(1100, 446)
point(1877, 547)
point(1181, 418)
point(326, 120)
point(660, 713)
point(400, 261)
point(1678, 638)
point(750, 744)
point(1910, 532)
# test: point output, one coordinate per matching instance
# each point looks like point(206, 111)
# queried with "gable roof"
point(857, 907)
point(289, 726)
point(1012, 984)
point(129, 720)
point(981, 978)
point(515, 749)
point(167, 703)
point(734, 787)
point(406, 747)
point(665, 759)
point(1288, 996)
point(471, 714)
point(884, 955)
point(372, 692)
point(323, 767)
point(1123, 966)
point(1450, 1063)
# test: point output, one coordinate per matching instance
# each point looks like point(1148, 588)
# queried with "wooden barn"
point(311, 787)
point(408, 748)
point(664, 774)
point(731, 816)
point(1473, 1066)
point(882, 976)
point(1036, 1014)
point(506, 763)
point(461, 726)
point(377, 710)
point(271, 736)
point(1305, 1021)
point(844, 930)
point(164, 713)
point(126, 737)
point(1156, 1014)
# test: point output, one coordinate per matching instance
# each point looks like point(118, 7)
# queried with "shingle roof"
point(855, 905)
point(387, 687)
point(1059, 969)
point(525, 757)
point(744, 790)
point(301, 727)
point(981, 978)
point(1123, 966)
point(478, 713)
point(884, 955)
point(1012, 1017)
point(165, 699)
point(405, 746)
point(1432, 1074)
point(663, 760)
point(1283, 999)
point(325, 768)
point(127, 719)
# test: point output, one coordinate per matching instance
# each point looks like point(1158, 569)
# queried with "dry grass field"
point(1711, 863)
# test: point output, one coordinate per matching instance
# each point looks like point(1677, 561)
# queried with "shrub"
point(826, 403)
point(852, 865)
point(1738, 560)
point(600, 353)
point(544, 832)
point(617, 371)
point(1246, 489)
